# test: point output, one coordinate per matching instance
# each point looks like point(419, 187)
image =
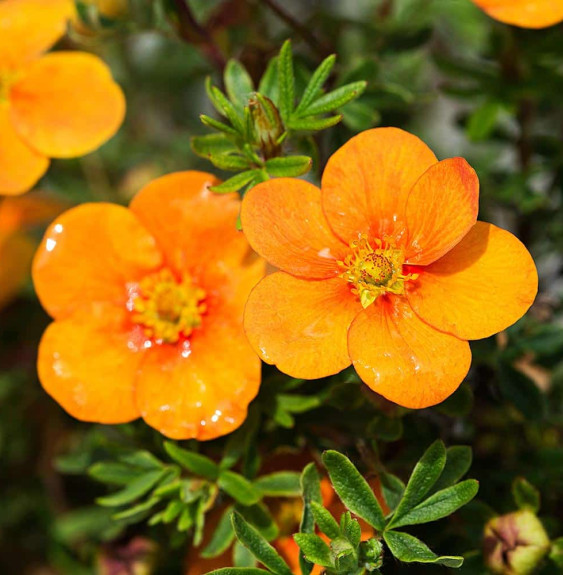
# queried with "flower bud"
point(515, 543)
point(133, 558)
point(268, 125)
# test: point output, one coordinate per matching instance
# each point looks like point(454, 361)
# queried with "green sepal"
point(525, 495)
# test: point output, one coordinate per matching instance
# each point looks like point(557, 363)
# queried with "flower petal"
point(20, 166)
point(367, 181)
point(301, 325)
point(67, 104)
point(284, 222)
point(482, 286)
point(524, 13)
point(29, 27)
point(89, 254)
point(88, 362)
point(201, 389)
point(442, 207)
point(404, 359)
point(194, 227)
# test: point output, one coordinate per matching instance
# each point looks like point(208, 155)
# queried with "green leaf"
point(137, 488)
point(325, 521)
point(143, 459)
point(392, 488)
point(212, 144)
point(313, 124)
point(194, 462)
point(311, 491)
point(230, 162)
point(215, 124)
point(228, 110)
point(289, 167)
point(238, 487)
point(458, 462)
point(186, 520)
point(386, 428)
point(259, 516)
point(280, 484)
point(239, 571)
point(483, 120)
point(353, 532)
point(222, 537)
point(242, 557)
point(353, 489)
point(314, 87)
point(238, 83)
point(235, 183)
point(439, 505)
point(314, 549)
point(286, 82)
point(409, 549)
point(359, 116)
point(136, 509)
point(173, 510)
point(335, 99)
point(259, 547)
point(298, 403)
point(424, 476)
point(113, 473)
point(525, 495)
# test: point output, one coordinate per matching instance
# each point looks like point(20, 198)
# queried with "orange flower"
point(148, 305)
point(18, 216)
point(524, 13)
point(385, 268)
point(59, 105)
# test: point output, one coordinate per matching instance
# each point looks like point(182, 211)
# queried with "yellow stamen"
point(168, 309)
point(374, 271)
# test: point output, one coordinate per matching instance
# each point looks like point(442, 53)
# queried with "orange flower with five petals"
point(386, 268)
point(524, 13)
point(58, 105)
point(148, 305)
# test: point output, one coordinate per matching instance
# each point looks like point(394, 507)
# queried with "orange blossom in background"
point(57, 105)
point(524, 13)
point(148, 305)
point(386, 268)
point(18, 218)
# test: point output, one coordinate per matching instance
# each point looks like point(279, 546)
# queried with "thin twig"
point(303, 31)
point(190, 29)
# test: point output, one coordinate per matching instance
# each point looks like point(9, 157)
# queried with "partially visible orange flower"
point(148, 305)
point(385, 268)
point(59, 105)
point(18, 217)
point(524, 13)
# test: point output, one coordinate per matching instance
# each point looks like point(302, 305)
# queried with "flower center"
point(168, 309)
point(374, 270)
